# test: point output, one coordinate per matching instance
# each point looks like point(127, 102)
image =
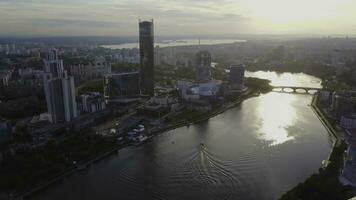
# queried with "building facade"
point(59, 90)
point(343, 103)
point(348, 121)
point(84, 71)
point(202, 66)
point(122, 85)
point(5, 131)
point(147, 57)
point(91, 102)
point(52, 64)
point(237, 76)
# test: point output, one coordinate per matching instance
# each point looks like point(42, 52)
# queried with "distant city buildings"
point(91, 102)
point(202, 66)
point(146, 57)
point(59, 90)
point(28, 73)
point(122, 85)
point(96, 69)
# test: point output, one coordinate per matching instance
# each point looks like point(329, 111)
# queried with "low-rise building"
point(343, 103)
point(200, 96)
point(122, 85)
point(348, 173)
point(159, 106)
point(325, 97)
point(91, 102)
point(348, 121)
point(202, 91)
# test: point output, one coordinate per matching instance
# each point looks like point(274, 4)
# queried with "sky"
point(176, 17)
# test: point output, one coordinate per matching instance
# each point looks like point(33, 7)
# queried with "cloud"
point(69, 22)
point(119, 17)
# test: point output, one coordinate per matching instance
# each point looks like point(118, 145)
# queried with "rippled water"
point(287, 79)
point(256, 151)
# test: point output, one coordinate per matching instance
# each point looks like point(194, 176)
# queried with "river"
point(258, 150)
point(172, 43)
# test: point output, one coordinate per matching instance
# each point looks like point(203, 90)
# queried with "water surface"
point(171, 43)
point(258, 150)
point(287, 79)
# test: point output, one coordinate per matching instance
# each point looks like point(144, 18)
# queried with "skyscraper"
point(146, 57)
point(202, 66)
point(59, 89)
point(237, 76)
point(52, 64)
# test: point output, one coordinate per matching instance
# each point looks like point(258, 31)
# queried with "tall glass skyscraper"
point(146, 57)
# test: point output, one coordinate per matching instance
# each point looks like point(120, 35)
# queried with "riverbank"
point(205, 116)
point(104, 153)
point(324, 184)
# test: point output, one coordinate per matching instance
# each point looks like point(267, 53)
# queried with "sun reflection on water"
point(286, 79)
point(276, 115)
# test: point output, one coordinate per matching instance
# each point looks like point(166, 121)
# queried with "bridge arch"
point(295, 89)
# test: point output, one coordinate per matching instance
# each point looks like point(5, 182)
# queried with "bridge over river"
point(296, 89)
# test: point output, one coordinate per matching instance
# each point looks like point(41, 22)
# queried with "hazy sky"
point(175, 17)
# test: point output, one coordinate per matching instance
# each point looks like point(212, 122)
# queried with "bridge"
point(295, 89)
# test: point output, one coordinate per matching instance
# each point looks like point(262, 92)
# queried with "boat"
point(141, 139)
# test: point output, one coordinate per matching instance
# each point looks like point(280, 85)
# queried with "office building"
point(59, 90)
point(202, 66)
point(52, 64)
point(237, 76)
point(146, 57)
point(122, 85)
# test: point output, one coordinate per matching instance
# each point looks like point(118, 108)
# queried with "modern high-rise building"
point(52, 64)
point(59, 90)
point(202, 66)
point(146, 57)
point(237, 76)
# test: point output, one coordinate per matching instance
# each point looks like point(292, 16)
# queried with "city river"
point(258, 150)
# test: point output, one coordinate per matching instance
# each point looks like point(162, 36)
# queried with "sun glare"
point(295, 11)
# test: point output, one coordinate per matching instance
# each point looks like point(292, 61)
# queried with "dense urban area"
point(65, 103)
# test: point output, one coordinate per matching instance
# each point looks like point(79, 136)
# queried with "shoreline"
point(105, 153)
point(224, 107)
point(326, 178)
point(326, 123)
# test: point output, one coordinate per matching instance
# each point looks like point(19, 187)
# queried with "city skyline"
point(110, 17)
